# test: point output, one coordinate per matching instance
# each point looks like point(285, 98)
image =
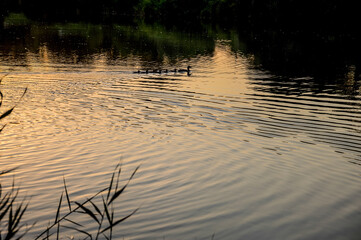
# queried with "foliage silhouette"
point(102, 213)
point(322, 15)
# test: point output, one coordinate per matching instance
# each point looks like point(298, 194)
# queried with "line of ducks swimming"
point(165, 71)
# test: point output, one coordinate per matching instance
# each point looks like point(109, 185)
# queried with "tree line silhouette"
point(321, 15)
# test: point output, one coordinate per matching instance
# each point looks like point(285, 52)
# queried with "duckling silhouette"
point(157, 71)
point(142, 72)
point(165, 71)
point(185, 70)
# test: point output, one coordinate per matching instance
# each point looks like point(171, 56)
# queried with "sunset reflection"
point(251, 140)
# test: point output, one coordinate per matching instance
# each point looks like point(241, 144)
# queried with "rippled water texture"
point(233, 150)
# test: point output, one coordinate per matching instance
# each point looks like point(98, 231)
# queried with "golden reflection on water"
point(218, 149)
point(231, 73)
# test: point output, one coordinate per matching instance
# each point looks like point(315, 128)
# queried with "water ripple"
point(223, 151)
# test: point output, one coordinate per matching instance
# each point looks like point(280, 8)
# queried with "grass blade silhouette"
point(97, 213)
point(19, 214)
point(66, 194)
point(7, 113)
point(2, 128)
point(69, 213)
point(107, 212)
point(119, 221)
point(58, 210)
point(119, 172)
point(110, 185)
point(96, 208)
point(88, 211)
point(75, 223)
point(1, 98)
point(117, 193)
point(5, 205)
point(7, 171)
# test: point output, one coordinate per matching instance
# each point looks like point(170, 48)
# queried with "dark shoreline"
point(333, 17)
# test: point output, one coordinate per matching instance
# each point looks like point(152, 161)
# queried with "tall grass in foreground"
point(11, 213)
point(11, 209)
point(98, 208)
point(100, 212)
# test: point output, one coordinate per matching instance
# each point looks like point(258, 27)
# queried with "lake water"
point(249, 146)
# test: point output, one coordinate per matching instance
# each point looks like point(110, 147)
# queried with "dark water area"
point(260, 141)
point(327, 59)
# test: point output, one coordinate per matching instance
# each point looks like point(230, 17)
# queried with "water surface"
point(238, 149)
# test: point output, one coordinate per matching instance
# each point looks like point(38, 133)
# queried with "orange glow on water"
point(213, 146)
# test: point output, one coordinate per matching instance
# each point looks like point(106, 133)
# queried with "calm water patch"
point(234, 150)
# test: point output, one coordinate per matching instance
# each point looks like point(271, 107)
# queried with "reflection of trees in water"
point(155, 44)
point(305, 63)
point(300, 63)
point(13, 46)
point(78, 43)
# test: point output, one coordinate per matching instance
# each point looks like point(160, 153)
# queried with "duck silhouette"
point(142, 72)
point(157, 71)
point(188, 71)
point(185, 70)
